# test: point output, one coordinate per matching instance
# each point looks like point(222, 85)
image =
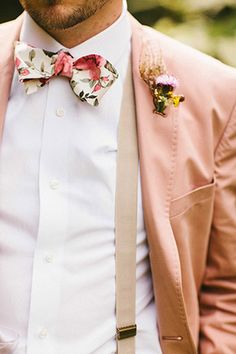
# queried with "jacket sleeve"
point(218, 293)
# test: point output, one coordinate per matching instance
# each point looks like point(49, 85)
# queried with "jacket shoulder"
point(208, 85)
point(7, 26)
point(180, 56)
point(10, 29)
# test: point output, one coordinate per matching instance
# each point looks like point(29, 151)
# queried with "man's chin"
point(55, 15)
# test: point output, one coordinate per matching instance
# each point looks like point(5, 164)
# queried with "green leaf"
point(92, 83)
point(85, 80)
point(109, 83)
point(49, 54)
point(42, 68)
point(92, 97)
point(32, 54)
point(109, 67)
point(73, 83)
point(28, 63)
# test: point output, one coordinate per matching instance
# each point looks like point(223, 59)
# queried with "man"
point(59, 194)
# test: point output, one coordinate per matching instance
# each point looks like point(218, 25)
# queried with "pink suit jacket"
point(188, 172)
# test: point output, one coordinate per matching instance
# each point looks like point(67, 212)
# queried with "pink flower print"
point(17, 62)
point(105, 78)
point(63, 65)
point(24, 72)
point(93, 63)
point(97, 88)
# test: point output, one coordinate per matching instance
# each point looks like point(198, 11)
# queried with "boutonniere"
point(162, 85)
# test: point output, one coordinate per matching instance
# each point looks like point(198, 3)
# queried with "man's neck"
point(97, 23)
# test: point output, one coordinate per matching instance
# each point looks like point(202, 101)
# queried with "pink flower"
point(63, 64)
point(24, 72)
point(167, 80)
point(17, 62)
point(105, 78)
point(97, 88)
point(93, 63)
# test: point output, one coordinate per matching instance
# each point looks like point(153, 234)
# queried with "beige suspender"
point(126, 222)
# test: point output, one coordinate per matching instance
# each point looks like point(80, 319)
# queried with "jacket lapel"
point(9, 32)
point(157, 138)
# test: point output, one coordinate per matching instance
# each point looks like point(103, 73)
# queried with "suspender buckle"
point(126, 332)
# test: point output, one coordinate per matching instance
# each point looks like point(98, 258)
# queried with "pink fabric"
point(64, 65)
point(93, 63)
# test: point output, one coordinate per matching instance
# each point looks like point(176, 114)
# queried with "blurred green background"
point(209, 25)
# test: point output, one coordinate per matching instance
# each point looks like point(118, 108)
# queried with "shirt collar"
point(102, 43)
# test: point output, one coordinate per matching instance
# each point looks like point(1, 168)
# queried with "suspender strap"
point(126, 222)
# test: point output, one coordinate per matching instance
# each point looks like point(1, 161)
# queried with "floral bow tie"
point(90, 76)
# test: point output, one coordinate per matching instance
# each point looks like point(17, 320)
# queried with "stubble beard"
point(55, 16)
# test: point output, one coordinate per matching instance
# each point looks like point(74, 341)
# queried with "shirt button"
point(43, 333)
point(60, 112)
point(49, 258)
point(54, 184)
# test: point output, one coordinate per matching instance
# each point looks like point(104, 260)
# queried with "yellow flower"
point(177, 99)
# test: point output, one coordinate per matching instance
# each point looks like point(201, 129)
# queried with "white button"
point(49, 258)
point(43, 333)
point(60, 112)
point(54, 184)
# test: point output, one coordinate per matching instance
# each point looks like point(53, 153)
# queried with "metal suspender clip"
point(126, 332)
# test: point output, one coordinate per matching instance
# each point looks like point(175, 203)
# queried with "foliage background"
point(209, 25)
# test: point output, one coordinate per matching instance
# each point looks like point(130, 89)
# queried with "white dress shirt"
point(57, 199)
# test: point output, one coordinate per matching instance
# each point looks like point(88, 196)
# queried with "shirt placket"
point(52, 229)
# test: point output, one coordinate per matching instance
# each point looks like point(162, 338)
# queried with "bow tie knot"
point(64, 65)
point(90, 76)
